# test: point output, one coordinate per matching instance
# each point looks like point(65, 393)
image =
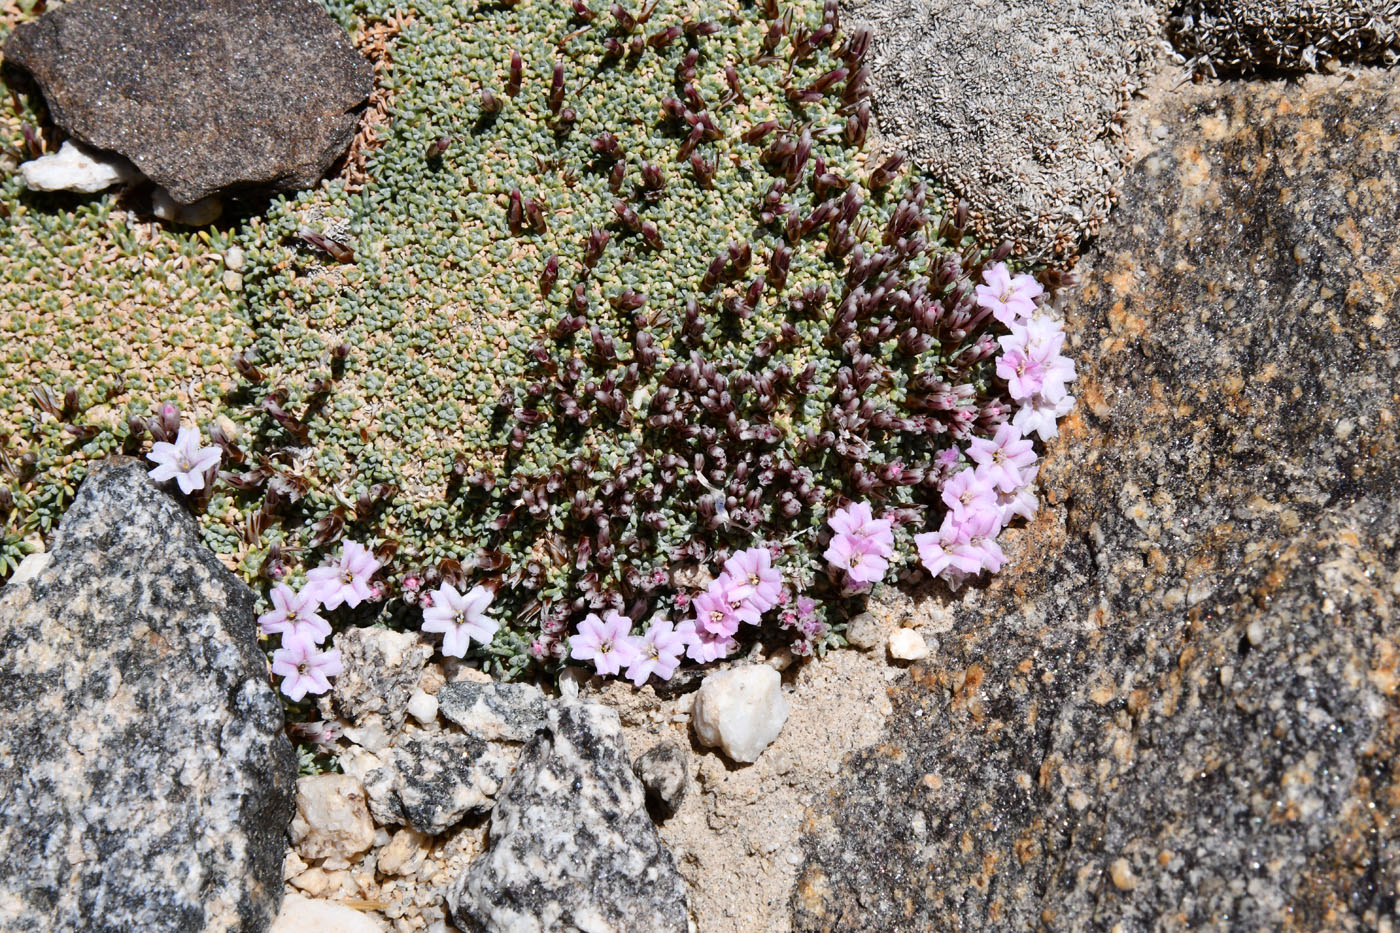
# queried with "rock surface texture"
point(145, 783)
point(1180, 710)
point(1014, 104)
point(1236, 37)
point(572, 847)
point(204, 96)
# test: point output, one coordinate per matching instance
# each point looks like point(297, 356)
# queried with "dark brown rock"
point(1178, 708)
point(204, 96)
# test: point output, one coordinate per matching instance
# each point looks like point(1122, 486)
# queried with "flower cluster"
point(303, 666)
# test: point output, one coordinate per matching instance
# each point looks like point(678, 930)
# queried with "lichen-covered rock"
point(1179, 710)
point(431, 781)
point(494, 711)
point(571, 846)
point(145, 783)
point(1238, 37)
point(1013, 105)
point(204, 96)
point(381, 669)
point(332, 820)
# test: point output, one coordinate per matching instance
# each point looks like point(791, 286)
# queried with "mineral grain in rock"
point(1179, 708)
point(572, 847)
point(204, 96)
point(381, 672)
point(145, 782)
point(430, 781)
point(1012, 104)
point(1237, 37)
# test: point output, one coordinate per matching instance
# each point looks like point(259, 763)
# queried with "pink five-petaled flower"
point(294, 614)
point(1009, 299)
point(460, 617)
point(704, 647)
point(1040, 415)
point(863, 544)
point(303, 667)
point(658, 652)
point(754, 567)
point(969, 493)
point(347, 580)
point(962, 547)
point(1004, 459)
point(183, 461)
point(720, 609)
point(605, 643)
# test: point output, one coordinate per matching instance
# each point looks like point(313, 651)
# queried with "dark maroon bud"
point(828, 79)
point(731, 77)
point(960, 213)
point(517, 74)
point(593, 246)
point(626, 22)
point(673, 109)
point(857, 125)
point(616, 175)
point(754, 293)
point(32, 142)
point(515, 215)
point(490, 103)
point(612, 49)
point(549, 276)
point(701, 29)
point(740, 255)
point(770, 9)
point(887, 172)
point(636, 46)
point(651, 235)
point(628, 300)
point(135, 428)
point(857, 44)
point(685, 71)
point(653, 181)
point(556, 89)
point(664, 37)
point(583, 12)
point(579, 301)
point(693, 98)
point(535, 214)
point(337, 251)
point(831, 15)
point(696, 136)
point(776, 30)
point(778, 266)
point(170, 420)
point(711, 279)
point(704, 171)
point(437, 147)
point(567, 117)
point(628, 217)
point(606, 144)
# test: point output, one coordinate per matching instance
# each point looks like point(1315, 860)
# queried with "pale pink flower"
point(1004, 458)
point(1024, 373)
point(720, 609)
point(865, 560)
point(859, 519)
point(658, 652)
point(183, 461)
point(606, 643)
point(704, 647)
point(969, 492)
point(965, 547)
point(461, 618)
point(1040, 415)
point(1009, 299)
point(754, 568)
point(347, 580)
point(303, 667)
point(295, 614)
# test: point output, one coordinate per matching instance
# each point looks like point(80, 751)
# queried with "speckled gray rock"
point(145, 783)
point(381, 671)
point(1239, 37)
point(1176, 708)
point(494, 711)
point(571, 846)
point(1013, 104)
point(204, 96)
point(664, 771)
point(431, 781)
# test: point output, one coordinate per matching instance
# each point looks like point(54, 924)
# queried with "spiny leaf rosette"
point(625, 296)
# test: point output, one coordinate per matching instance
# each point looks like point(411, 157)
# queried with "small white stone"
point(234, 257)
point(907, 645)
point(404, 854)
point(741, 710)
point(423, 707)
point(304, 915)
point(30, 567)
point(570, 679)
point(332, 819)
point(864, 630)
point(232, 281)
point(75, 168)
point(201, 213)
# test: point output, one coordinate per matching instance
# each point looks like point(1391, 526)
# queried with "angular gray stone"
point(1178, 706)
point(1012, 105)
point(1241, 37)
point(204, 96)
point(664, 771)
point(145, 782)
point(571, 846)
point(381, 669)
point(431, 781)
point(494, 711)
